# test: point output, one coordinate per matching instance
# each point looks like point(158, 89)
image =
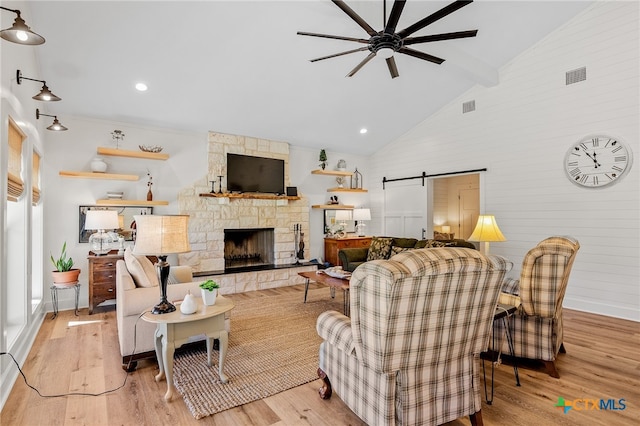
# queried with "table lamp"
point(342, 216)
point(359, 215)
point(100, 220)
point(161, 236)
point(486, 230)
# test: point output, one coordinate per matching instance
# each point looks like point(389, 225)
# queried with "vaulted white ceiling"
point(239, 67)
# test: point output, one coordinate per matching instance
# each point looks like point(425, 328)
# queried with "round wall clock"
point(597, 161)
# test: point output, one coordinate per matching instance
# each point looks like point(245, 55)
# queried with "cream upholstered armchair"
point(409, 354)
point(537, 326)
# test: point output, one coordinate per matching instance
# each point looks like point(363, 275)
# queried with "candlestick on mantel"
point(220, 179)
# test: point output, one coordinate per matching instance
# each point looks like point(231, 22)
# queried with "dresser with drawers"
point(333, 245)
point(102, 278)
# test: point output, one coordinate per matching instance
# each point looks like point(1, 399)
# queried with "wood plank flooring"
point(80, 354)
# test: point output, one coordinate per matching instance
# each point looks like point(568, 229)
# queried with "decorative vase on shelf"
point(149, 195)
point(98, 165)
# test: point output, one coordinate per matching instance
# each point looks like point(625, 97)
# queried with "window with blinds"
point(35, 178)
point(15, 185)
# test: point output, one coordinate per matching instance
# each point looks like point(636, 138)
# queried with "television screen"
point(254, 174)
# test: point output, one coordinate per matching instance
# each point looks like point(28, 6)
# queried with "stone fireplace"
point(248, 248)
point(216, 224)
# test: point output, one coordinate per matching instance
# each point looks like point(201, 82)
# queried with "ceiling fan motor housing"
point(384, 40)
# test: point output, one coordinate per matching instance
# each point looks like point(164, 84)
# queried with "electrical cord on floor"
point(135, 329)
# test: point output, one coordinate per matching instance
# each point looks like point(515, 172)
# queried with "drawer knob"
point(110, 264)
point(110, 290)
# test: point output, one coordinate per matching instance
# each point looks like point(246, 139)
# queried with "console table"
point(333, 245)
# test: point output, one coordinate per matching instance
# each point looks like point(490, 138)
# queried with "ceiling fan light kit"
point(388, 42)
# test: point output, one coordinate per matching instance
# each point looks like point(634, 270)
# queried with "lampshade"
point(20, 32)
point(487, 230)
point(361, 214)
point(101, 219)
point(445, 229)
point(342, 215)
point(161, 235)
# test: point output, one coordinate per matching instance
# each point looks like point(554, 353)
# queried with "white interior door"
point(405, 209)
point(469, 207)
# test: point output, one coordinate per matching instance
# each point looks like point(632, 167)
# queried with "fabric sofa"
point(135, 296)
point(409, 353)
point(385, 247)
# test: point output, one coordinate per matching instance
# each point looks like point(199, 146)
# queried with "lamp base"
point(163, 308)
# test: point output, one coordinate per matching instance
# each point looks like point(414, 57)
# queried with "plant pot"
point(209, 296)
point(65, 278)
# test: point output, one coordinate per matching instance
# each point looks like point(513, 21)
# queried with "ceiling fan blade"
point(393, 69)
point(421, 55)
point(358, 40)
point(394, 16)
point(340, 54)
point(433, 17)
point(361, 64)
point(353, 15)
point(439, 37)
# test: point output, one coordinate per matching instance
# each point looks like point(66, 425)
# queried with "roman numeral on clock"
point(575, 172)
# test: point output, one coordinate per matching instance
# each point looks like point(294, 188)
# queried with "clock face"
point(597, 161)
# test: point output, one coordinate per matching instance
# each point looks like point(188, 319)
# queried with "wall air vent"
point(468, 106)
point(576, 76)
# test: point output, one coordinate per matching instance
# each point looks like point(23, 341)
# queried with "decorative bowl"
point(150, 148)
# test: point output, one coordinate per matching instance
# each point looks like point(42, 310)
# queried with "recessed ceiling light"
point(141, 87)
point(363, 131)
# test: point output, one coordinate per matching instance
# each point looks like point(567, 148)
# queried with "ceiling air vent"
point(576, 76)
point(468, 106)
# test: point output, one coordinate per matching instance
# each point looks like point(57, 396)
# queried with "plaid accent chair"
point(409, 354)
point(537, 326)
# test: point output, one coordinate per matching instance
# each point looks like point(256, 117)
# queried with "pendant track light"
point(20, 32)
point(45, 94)
point(55, 126)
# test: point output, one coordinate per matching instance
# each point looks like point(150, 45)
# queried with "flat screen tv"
point(246, 173)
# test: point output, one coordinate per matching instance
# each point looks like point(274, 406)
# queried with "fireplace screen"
point(248, 247)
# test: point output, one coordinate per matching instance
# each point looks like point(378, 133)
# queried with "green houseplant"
point(64, 273)
point(209, 290)
point(323, 159)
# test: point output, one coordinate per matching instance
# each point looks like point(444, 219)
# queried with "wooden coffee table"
point(174, 329)
point(332, 282)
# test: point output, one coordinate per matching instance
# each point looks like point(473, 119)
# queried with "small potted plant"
point(64, 273)
point(323, 159)
point(209, 289)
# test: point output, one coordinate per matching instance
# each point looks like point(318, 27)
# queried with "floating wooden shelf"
point(111, 202)
point(346, 190)
point(132, 154)
point(332, 207)
point(93, 175)
point(249, 195)
point(331, 173)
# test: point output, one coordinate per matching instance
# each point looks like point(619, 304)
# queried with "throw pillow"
point(380, 248)
point(442, 236)
point(395, 250)
point(434, 243)
point(141, 269)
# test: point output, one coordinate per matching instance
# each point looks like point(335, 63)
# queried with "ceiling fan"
point(388, 41)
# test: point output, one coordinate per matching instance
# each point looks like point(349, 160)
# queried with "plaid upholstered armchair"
point(537, 328)
point(409, 353)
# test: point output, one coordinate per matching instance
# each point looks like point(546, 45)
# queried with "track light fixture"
point(55, 126)
point(44, 95)
point(19, 32)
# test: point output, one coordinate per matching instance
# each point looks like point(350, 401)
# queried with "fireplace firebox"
point(248, 248)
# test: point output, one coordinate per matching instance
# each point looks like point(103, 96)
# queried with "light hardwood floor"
point(80, 354)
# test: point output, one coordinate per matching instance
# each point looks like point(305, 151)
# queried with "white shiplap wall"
point(520, 132)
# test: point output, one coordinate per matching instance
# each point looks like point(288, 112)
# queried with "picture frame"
point(125, 218)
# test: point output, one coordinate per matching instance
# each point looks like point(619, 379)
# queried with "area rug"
point(273, 346)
